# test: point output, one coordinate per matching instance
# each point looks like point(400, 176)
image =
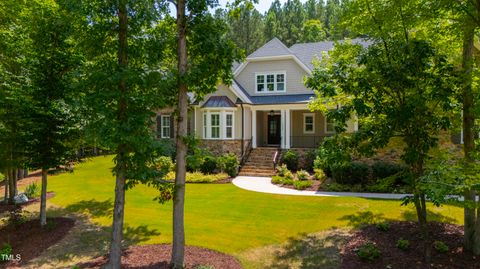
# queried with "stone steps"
point(259, 163)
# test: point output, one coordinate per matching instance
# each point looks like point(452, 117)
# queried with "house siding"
point(294, 76)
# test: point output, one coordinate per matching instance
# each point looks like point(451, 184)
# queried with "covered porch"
point(288, 126)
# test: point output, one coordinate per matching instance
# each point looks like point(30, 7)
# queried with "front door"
point(273, 130)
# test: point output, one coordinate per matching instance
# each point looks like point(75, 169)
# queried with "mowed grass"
point(221, 216)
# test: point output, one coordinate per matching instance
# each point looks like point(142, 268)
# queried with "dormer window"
point(270, 82)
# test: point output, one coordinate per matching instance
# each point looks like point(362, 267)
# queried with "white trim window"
point(218, 124)
point(166, 130)
point(308, 123)
point(229, 125)
point(214, 125)
point(270, 82)
point(329, 126)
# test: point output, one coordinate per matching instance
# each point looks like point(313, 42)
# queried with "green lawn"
point(221, 216)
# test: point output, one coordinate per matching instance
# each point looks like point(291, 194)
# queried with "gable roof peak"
point(274, 47)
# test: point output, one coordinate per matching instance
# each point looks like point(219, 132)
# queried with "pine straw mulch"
point(393, 257)
point(5, 207)
point(158, 257)
point(29, 239)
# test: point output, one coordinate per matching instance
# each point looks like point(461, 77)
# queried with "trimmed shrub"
point(209, 165)
point(290, 158)
point(229, 164)
point(301, 185)
point(403, 244)
point(383, 226)
point(277, 180)
point(382, 169)
point(288, 181)
point(309, 159)
point(194, 162)
point(440, 246)
point(198, 177)
point(164, 164)
point(353, 173)
point(382, 185)
point(288, 175)
point(32, 190)
point(282, 170)
point(319, 175)
point(368, 251)
point(303, 175)
point(336, 187)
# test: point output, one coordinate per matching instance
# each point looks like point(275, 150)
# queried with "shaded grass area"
point(221, 216)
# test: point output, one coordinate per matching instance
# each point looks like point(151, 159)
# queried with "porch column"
point(288, 128)
point(254, 128)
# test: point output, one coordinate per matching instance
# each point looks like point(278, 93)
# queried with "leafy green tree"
point(124, 78)
point(204, 57)
point(14, 101)
point(246, 28)
point(50, 63)
point(313, 31)
point(397, 87)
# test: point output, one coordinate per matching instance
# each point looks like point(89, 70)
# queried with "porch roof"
point(282, 99)
point(219, 101)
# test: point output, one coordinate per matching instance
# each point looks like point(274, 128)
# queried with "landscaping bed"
point(391, 256)
point(158, 257)
point(5, 208)
point(29, 239)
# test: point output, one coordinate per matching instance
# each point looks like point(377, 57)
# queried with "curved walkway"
point(264, 184)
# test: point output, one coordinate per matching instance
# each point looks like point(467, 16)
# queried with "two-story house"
point(265, 107)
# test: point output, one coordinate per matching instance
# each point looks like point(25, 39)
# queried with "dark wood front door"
point(273, 130)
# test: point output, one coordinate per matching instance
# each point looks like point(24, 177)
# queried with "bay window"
point(218, 125)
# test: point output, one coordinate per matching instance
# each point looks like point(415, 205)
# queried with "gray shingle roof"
point(306, 52)
point(274, 47)
point(219, 101)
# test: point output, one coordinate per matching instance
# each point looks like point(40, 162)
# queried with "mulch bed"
point(5, 208)
point(158, 257)
point(29, 239)
point(393, 257)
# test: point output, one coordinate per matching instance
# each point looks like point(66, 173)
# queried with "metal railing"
point(246, 153)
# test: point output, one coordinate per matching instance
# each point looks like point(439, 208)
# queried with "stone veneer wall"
point(221, 147)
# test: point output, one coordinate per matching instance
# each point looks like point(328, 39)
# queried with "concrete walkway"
point(264, 184)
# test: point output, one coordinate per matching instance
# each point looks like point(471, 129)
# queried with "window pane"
point(215, 132)
point(228, 132)
point(260, 79)
point(229, 120)
point(309, 119)
point(281, 86)
point(270, 87)
point(215, 119)
point(280, 78)
point(270, 78)
point(260, 87)
point(309, 127)
point(166, 132)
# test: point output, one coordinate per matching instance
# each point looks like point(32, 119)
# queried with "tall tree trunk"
point(6, 182)
point(11, 187)
point(468, 135)
point(118, 215)
point(25, 173)
point(421, 207)
point(178, 248)
point(43, 199)
point(121, 168)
